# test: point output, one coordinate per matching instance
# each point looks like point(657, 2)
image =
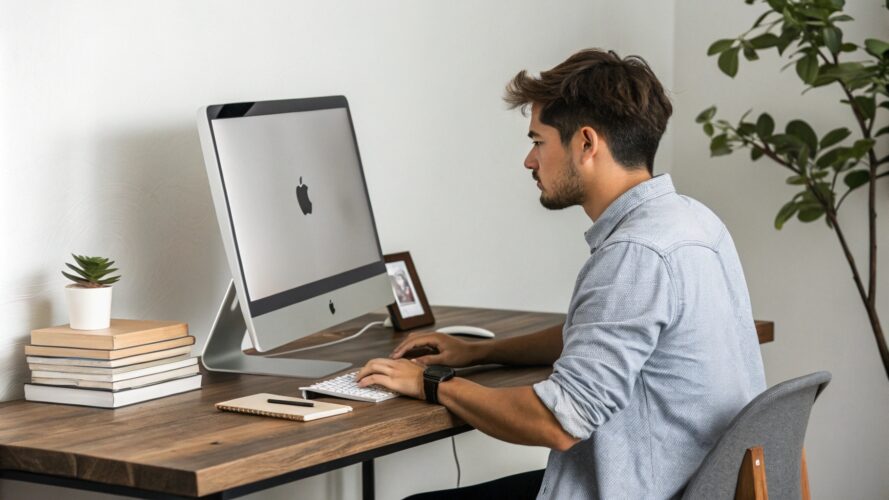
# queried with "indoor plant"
point(89, 298)
point(828, 169)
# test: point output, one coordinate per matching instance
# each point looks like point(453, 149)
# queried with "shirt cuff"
point(562, 407)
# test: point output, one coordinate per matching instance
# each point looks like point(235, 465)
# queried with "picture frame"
point(410, 309)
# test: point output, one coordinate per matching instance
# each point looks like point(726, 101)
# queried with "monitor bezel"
point(302, 293)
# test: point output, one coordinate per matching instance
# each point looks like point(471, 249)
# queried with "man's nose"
point(530, 161)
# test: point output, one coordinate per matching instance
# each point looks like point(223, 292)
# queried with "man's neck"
point(610, 187)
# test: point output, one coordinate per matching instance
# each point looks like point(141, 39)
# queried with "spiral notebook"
point(258, 404)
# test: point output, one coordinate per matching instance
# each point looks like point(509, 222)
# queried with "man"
point(659, 351)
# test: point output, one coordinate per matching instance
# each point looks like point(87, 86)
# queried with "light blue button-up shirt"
point(660, 350)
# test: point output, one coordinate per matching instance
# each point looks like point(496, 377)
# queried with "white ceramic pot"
point(88, 308)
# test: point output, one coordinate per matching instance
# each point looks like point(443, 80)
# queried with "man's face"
point(552, 166)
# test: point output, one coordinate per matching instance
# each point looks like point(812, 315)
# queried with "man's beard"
point(567, 190)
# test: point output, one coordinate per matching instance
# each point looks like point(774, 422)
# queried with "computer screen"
point(293, 207)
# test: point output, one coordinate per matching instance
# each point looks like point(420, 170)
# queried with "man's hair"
point(621, 98)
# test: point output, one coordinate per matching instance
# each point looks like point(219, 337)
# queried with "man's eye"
point(536, 143)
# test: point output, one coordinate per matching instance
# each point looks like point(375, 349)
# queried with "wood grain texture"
point(182, 445)
point(752, 476)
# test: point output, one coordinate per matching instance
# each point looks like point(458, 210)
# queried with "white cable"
point(456, 459)
point(350, 337)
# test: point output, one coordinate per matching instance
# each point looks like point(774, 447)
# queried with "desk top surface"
point(182, 445)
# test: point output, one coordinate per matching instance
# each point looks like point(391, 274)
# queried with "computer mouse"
point(469, 331)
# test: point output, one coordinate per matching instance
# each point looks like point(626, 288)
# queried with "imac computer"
point(297, 226)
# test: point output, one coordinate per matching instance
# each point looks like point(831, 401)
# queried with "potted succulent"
point(89, 298)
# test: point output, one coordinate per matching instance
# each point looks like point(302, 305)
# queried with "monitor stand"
point(223, 353)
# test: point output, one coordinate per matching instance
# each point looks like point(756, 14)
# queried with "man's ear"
point(589, 144)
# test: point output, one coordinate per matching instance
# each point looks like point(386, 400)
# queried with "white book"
point(117, 386)
point(112, 374)
point(112, 363)
point(105, 371)
point(109, 399)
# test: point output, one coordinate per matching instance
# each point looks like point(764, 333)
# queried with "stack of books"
point(129, 362)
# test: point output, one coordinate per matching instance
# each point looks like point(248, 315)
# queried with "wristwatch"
point(432, 376)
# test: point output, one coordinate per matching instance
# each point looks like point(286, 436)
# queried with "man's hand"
point(400, 375)
point(451, 351)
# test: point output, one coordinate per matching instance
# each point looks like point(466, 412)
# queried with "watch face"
point(437, 371)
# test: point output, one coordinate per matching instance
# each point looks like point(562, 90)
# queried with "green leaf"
point(764, 41)
point(706, 115)
point(810, 214)
point(807, 68)
point(728, 62)
point(776, 5)
point(708, 129)
point(832, 39)
point(75, 279)
point(756, 153)
point(802, 131)
point(856, 178)
point(719, 145)
point(785, 214)
point(861, 147)
point(884, 130)
point(750, 54)
point(876, 47)
point(835, 136)
point(765, 126)
point(867, 105)
point(802, 158)
point(834, 158)
point(79, 271)
point(720, 46)
point(796, 180)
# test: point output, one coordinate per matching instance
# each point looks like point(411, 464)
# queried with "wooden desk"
point(181, 446)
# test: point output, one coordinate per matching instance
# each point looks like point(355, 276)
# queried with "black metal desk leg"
point(367, 480)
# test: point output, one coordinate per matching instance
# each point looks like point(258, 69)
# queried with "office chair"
point(764, 441)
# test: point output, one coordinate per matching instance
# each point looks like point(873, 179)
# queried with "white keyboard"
point(345, 387)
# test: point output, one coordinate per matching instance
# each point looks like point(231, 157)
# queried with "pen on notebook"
point(292, 403)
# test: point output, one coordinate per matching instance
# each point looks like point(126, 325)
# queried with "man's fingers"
point(409, 344)
point(431, 359)
point(376, 379)
point(378, 365)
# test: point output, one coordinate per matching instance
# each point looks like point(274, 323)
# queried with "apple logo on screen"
point(302, 197)
point(332, 307)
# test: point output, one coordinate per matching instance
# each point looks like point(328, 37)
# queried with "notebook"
point(258, 404)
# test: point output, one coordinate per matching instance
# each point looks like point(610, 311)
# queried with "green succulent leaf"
point(708, 129)
point(764, 41)
point(835, 136)
point(786, 212)
point(803, 131)
point(832, 39)
point(810, 214)
point(765, 125)
point(720, 46)
point(807, 68)
point(728, 62)
point(706, 115)
point(756, 153)
point(856, 178)
point(877, 48)
point(719, 145)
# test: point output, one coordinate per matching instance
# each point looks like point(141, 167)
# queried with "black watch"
point(432, 376)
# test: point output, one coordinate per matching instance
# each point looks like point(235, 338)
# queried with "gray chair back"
point(775, 420)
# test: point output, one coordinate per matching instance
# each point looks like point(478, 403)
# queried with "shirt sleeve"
point(621, 304)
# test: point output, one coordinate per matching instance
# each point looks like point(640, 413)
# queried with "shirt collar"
point(612, 216)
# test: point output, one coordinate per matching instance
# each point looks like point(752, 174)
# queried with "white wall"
point(798, 276)
point(99, 155)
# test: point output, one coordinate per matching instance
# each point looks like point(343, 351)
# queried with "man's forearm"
point(541, 348)
point(512, 414)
